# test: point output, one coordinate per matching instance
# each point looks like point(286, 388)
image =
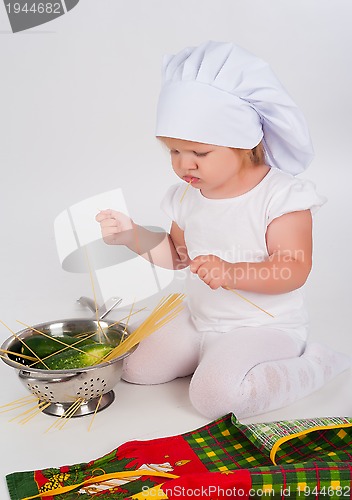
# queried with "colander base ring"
point(58, 409)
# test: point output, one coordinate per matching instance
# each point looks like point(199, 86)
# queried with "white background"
point(77, 116)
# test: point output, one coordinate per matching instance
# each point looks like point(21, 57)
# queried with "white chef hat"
point(218, 93)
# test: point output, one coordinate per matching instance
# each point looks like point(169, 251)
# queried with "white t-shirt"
point(234, 229)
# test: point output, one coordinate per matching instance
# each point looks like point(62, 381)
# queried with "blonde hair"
point(257, 154)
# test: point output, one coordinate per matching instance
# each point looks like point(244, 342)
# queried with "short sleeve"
point(300, 194)
point(171, 204)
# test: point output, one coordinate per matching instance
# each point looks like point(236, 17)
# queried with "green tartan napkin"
point(296, 459)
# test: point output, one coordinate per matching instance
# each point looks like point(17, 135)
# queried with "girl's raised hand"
point(116, 227)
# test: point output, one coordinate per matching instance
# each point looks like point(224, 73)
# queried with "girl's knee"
point(143, 367)
point(141, 371)
point(214, 398)
point(132, 372)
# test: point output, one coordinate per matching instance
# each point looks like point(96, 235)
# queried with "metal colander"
point(62, 388)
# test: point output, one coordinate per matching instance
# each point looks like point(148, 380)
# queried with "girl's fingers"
point(198, 261)
point(194, 265)
point(107, 214)
point(111, 230)
point(102, 216)
point(202, 273)
point(109, 223)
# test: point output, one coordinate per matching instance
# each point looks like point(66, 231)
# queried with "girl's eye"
point(174, 152)
point(200, 154)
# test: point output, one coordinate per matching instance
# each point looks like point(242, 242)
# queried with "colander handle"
point(104, 309)
point(33, 377)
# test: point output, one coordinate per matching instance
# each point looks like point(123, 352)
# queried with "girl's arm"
point(163, 249)
point(289, 244)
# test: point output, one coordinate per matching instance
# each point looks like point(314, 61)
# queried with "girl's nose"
point(187, 162)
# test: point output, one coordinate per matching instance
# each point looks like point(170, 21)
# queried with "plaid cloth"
point(315, 455)
point(225, 459)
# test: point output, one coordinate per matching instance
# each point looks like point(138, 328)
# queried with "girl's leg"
point(252, 371)
point(171, 352)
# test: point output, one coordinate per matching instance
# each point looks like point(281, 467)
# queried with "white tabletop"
point(138, 412)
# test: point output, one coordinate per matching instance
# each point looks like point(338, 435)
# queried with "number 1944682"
point(35, 8)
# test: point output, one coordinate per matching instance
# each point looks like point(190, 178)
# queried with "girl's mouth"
point(189, 178)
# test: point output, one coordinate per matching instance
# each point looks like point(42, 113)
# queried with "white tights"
point(247, 371)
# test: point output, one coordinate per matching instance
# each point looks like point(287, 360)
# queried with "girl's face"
point(218, 171)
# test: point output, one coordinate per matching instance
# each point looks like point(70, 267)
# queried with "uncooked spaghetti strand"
point(162, 302)
point(247, 300)
point(172, 307)
point(128, 319)
point(172, 299)
point(185, 191)
point(162, 309)
point(19, 400)
point(51, 338)
point(17, 408)
point(68, 346)
point(23, 342)
point(6, 358)
point(18, 403)
point(24, 356)
point(172, 302)
point(167, 305)
point(65, 415)
point(148, 326)
point(120, 320)
point(55, 423)
point(72, 410)
point(26, 412)
point(95, 412)
point(94, 294)
point(134, 338)
point(169, 318)
point(166, 320)
point(40, 409)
